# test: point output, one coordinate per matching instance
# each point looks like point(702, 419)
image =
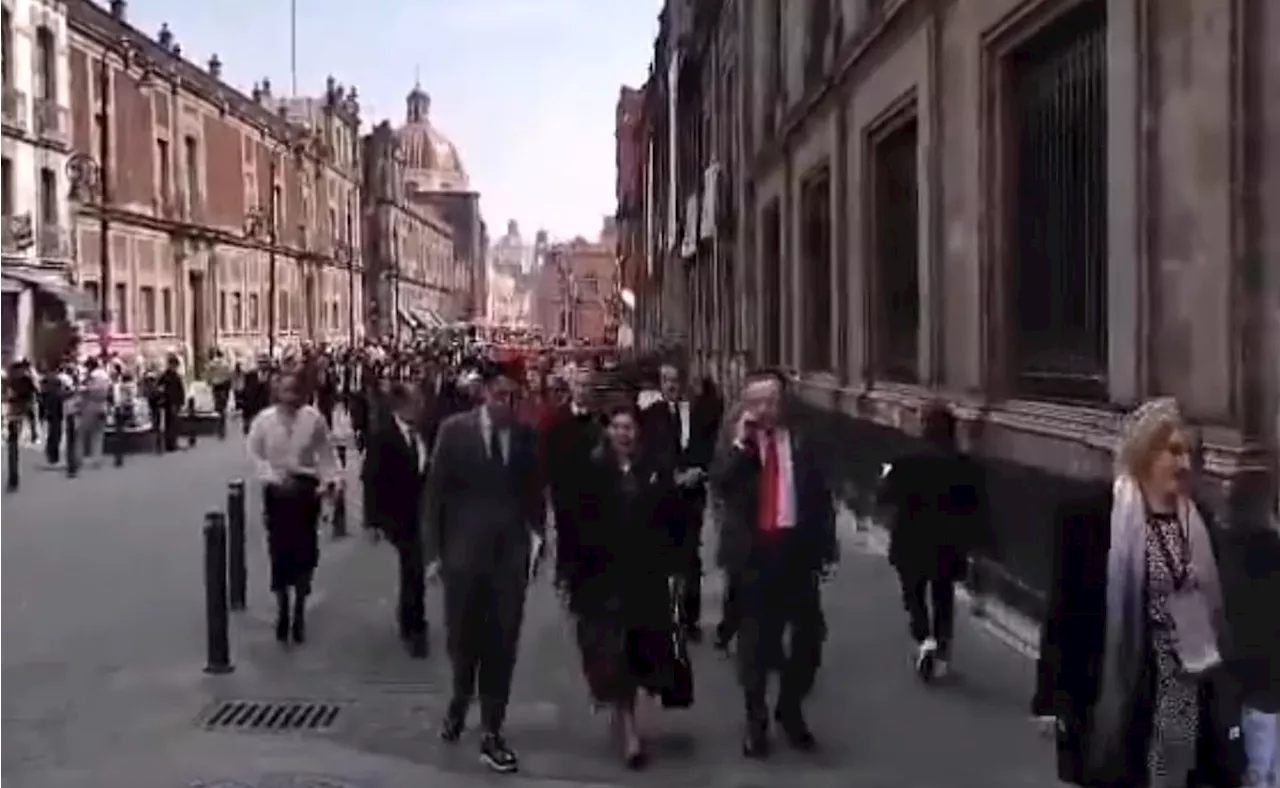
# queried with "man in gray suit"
point(484, 521)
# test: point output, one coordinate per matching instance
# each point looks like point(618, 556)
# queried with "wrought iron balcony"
point(15, 109)
point(53, 121)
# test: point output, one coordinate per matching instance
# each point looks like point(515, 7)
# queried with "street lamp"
point(90, 181)
point(260, 225)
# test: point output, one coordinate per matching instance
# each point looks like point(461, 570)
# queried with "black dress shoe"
point(794, 727)
point(755, 744)
point(452, 727)
point(722, 640)
point(637, 760)
point(693, 633)
point(416, 645)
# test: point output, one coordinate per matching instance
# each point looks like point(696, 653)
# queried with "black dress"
point(618, 579)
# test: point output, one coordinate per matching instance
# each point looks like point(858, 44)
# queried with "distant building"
point(512, 279)
point(575, 289)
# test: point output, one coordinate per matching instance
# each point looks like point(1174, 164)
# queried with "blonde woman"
point(1134, 621)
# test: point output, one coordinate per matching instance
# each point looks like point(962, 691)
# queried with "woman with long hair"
point(618, 585)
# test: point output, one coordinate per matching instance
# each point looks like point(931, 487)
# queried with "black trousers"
point(411, 611)
point(730, 609)
point(771, 603)
point(688, 539)
point(53, 436)
point(483, 611)
point(930, 603)
point(172, 414)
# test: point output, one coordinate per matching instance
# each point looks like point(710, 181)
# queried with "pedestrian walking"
point(778, 540)
point(394, 473)
point(485, 517)
point(295, 462)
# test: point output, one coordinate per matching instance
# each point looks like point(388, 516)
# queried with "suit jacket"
point(662, 434)
point(735, 477)
point(479, 515)
point(394, 482)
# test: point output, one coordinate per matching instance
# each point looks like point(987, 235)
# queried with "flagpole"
point(293, 48)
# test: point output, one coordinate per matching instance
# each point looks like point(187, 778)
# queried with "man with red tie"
point(777, 540)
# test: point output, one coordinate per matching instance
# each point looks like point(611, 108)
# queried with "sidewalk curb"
point(1007, 626)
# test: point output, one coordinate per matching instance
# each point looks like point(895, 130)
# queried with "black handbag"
point(678, 692)
point(1220, 755)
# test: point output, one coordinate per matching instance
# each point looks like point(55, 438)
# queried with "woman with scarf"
point(618, 583)
point(1129, 652)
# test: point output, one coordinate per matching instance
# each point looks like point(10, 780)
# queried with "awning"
point(78, 303)
point(407, 317)
point(428, 318)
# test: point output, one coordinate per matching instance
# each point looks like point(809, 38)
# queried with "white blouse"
point(282, 444)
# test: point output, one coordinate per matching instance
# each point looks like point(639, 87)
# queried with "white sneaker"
point(925, 658)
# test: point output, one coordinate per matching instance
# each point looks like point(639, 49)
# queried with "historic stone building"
point(206, 218)
point(575, 289)
point(631, 135)
point(1041, 211)
point(36, 143)
point(436, 181)
point(414, 278)
point(512, 280)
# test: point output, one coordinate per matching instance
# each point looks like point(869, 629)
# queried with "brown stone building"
point(205, 186)
point(436, 181)
point(1042, 211)
point(631, 135)
point(575, 288)
point(415, 279)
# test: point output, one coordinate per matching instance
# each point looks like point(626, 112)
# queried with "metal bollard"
point(340, 514)
point(117, 447)
point(217, 622)
point(191, 422)
point(237, 569)
point(13, 435)
point(73, 441)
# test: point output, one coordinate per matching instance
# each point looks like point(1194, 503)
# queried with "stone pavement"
point(94, 711)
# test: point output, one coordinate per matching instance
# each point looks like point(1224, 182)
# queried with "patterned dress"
point(1176, 711)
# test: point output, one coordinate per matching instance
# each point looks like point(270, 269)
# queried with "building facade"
point(512, 262)
point(436, 182)
point(631, 142)
point(1040, 211)
point(205, 217)
point(36, 144)
point(575, 289)
point(413, 279)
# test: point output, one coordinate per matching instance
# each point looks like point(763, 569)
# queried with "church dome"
point(431, 160)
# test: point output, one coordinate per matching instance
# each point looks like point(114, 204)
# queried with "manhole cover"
point(270, 716)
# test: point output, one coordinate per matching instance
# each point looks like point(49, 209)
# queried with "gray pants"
point(483, 612)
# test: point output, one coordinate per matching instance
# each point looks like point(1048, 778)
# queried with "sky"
point(526, 89)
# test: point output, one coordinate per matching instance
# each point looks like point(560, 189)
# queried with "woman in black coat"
point(1134, 689)
point(618, 581)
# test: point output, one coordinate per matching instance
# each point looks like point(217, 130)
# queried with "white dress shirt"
point(282, 444)
point(486, 432)
point(786, 479)
point(414, 441)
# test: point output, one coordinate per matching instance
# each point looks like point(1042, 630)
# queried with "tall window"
point(224, 313)
point(770, 258)
point(46, 64)
point(237, 311)
point(6, 186)
point(254, 321)
point(122, 308)
point(895, 233)
point(48, 196)
point(1058, 208)
point(166, 310)
point(191, 160)
point(6, 32)
point(92, 292)
point(147, 309)
point(164, 170)
point(816, 291)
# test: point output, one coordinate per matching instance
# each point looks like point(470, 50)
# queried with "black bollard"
point(191, 422)
point(73, 448)
point(217, 622)
point(13, 434)
point(342, 455)
point(237, 571)
point(117, 447)
point(340, 514)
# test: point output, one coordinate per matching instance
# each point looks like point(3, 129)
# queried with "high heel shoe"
point(636, 757)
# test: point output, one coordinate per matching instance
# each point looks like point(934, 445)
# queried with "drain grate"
point(271, 716)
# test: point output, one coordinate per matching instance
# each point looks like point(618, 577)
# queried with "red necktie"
point(769, 485)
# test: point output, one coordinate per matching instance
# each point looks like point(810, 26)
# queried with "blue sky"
point(525, 88)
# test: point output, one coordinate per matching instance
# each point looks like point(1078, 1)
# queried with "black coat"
point(393, 483)
point(938, 518)
point(1069, 669)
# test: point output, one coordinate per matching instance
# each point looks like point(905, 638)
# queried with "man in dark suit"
point(681, 432)
point(254, 394)
point(778, 540)
point(567, 443)
point(395, 469)
point(484, 516)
